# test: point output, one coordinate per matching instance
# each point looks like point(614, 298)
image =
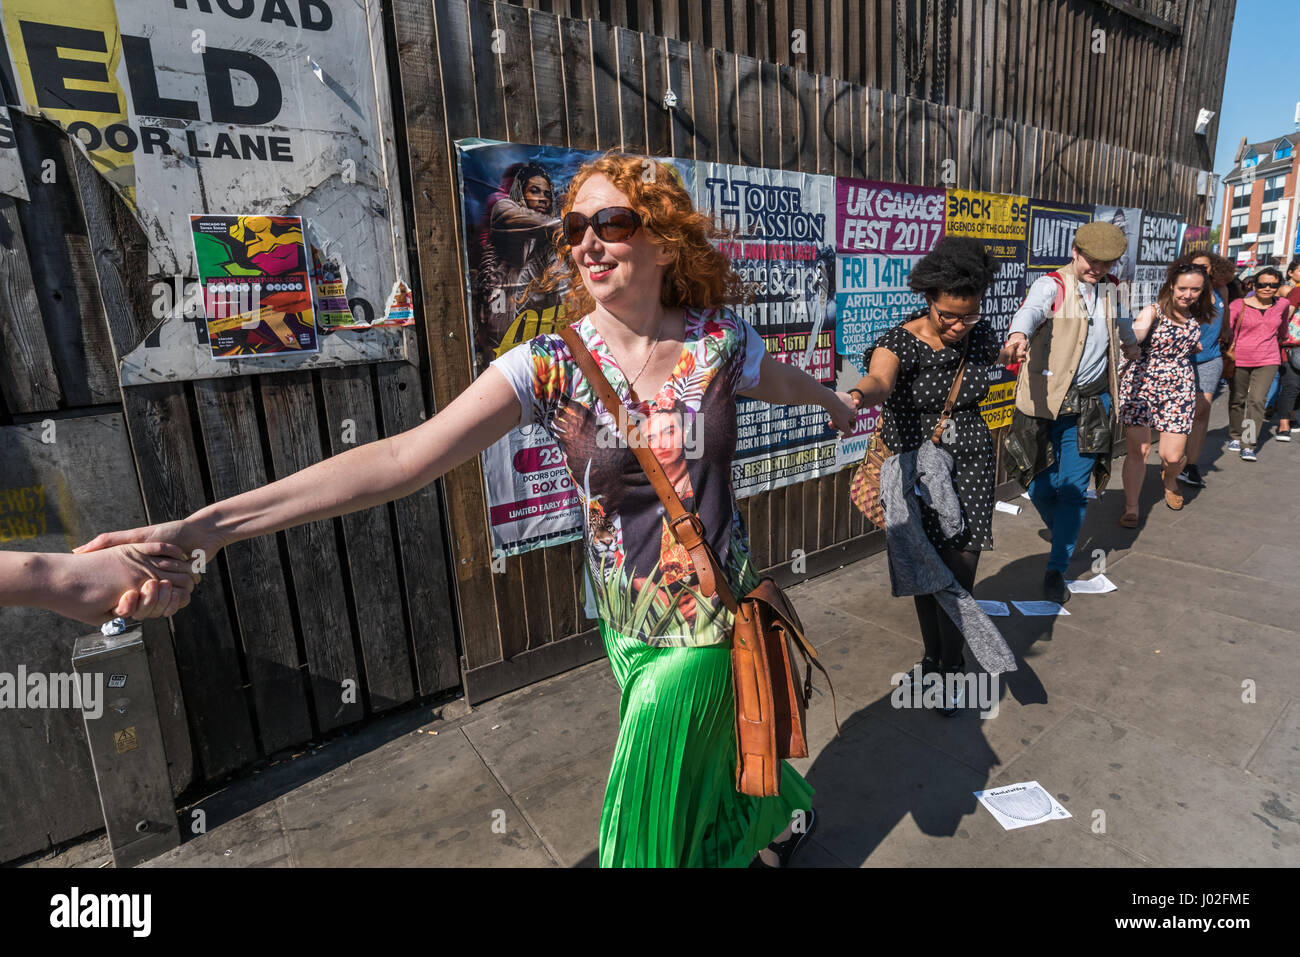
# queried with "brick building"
point(1258, 223)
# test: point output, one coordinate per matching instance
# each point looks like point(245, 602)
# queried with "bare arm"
point(877, 385)
point(358, 479)
point(781, 383)
point(149, 580)
point(1143, 323)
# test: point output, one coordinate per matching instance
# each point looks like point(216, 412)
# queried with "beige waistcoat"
point(1057, 346)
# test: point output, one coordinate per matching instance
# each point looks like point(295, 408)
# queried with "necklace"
point(632, 381)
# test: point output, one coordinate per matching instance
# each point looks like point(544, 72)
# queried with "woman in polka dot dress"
point(910, 371)
point(1158, 389)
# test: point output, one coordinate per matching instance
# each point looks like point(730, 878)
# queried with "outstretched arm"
point(781, 383)
point(357, 479)
point(150, 580)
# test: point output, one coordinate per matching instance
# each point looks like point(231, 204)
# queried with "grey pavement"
point(1164, 716)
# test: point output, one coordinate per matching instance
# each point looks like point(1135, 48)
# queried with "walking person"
point(648, 296)
point(1207, 364)
point(1288, 395)
point(1158, 389)
point(1258, 326)
point(911, 369)
point(1067, 339)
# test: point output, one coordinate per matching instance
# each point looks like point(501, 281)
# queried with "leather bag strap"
point(686, 526)
point(952, 395)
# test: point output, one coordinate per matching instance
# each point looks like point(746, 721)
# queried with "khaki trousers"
point(1248, 389)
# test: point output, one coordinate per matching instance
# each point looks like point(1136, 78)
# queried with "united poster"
point(257, 288)
point(782, 240)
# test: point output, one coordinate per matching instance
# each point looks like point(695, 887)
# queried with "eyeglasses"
point(613, 224)
point(1191, 267)
point(949, 319)
point(1267, 285)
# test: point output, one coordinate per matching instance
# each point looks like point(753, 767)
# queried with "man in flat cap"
point(1067, 338)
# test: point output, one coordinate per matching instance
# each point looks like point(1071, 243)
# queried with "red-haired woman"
point(648, 298)
point(1158, 390)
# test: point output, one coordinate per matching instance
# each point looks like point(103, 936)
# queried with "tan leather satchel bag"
point(771, 702)
point(864, 492)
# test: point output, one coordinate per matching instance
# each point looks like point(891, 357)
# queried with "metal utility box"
point(126, 746)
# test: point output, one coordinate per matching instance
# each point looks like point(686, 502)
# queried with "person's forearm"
point(34, 579)
point(359, 478)
point(874, 389)
point(786, 384)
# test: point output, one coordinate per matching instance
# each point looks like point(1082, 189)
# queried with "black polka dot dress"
point(911, 412)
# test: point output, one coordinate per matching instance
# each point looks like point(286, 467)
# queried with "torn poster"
point(256, 287)
point(268, 108)
point(400, 310)
point(12, 182)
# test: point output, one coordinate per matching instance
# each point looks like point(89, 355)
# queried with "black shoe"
point(928, 666)
point(953, 702)
point(1054, 587)
point(785, 849)
point(1192, 476)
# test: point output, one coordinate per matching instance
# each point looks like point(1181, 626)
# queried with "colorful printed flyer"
point(257, 290)
point(1002, 222)
point(883, 230)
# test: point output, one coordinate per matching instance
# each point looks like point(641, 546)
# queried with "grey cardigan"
point(915, 568)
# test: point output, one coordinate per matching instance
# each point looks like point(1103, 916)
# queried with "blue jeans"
point(1060, 493)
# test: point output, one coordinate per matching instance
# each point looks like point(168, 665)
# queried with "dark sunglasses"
point(613, 224)
point(1191, 267)
point(1267, 285)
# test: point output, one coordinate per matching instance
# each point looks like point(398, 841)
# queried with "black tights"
point(942, 638)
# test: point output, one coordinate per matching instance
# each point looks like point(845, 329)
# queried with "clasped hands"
point(147, 572)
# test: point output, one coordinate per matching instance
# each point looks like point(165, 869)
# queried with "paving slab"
point(539, 730)
point(425, 801)
point(1278, 757)
point(1161, 803)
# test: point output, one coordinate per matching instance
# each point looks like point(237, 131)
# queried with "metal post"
point(126, 747)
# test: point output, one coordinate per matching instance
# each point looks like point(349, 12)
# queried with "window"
point(1268, 222)
point(1283, 150)
point(1250, 161)
point(1264, 252)
point(1273, 187)
point(1241, 195)
point(1237, 226)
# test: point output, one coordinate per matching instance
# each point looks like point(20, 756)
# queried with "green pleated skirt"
point(671, 800)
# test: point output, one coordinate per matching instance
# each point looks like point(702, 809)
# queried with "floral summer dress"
point(1158, 390)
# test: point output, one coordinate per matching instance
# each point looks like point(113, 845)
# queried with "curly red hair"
point(700, 275)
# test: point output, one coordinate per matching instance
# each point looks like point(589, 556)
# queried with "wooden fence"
point(589, 85)
point(1138, 83)
point(281, 623)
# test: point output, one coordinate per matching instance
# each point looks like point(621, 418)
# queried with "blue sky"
point(1262, 84)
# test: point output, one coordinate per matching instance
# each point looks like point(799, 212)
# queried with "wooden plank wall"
point(594, 84)
point(1031, 61)
point(283, 624)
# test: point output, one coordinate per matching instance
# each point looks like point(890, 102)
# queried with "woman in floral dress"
point(1158, 389)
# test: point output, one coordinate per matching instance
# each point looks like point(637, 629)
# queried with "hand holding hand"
point(843, 410)
point(1131, 350)
point(148, 580)
point(1015, 349)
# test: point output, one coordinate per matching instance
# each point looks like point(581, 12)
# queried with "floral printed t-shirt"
point(644, 583)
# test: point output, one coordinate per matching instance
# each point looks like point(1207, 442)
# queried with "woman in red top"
point(1258, 325)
